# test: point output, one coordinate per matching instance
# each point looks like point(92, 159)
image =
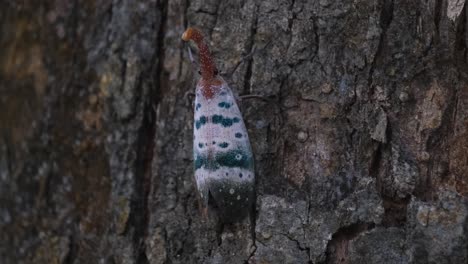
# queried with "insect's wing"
point(224, 163)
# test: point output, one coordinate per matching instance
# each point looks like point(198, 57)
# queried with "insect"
point(223, 159)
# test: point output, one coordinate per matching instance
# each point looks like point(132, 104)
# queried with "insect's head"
point(192, 34)
point(208, 69)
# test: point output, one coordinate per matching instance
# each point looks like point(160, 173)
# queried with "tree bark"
point(361, 150)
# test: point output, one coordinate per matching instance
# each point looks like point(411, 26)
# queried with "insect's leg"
point(189, 96)
point(189, 99)
point(205, 213)
point(219, 231)
point(252, 222)
point(196, 67)
point(192, 60)
point(203, 209)
point(253, 96)
point(247, 57)
point(267, 99)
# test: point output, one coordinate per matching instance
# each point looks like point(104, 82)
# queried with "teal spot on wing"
point(223, 145)
point(202, 161)
point(200, 122)
point(203, 120)
point(238, 135)
point(216, 119)
point(198, 162)
point(227, 122)
point(224, 105)
point(238, 158)
point(224, 121)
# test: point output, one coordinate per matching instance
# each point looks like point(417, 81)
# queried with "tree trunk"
point(361, 150)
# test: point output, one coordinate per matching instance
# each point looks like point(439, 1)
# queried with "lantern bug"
point(223, 159)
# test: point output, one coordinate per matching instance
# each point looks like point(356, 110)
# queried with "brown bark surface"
point(361, 151)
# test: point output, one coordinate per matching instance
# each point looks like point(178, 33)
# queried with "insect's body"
point(223, 160)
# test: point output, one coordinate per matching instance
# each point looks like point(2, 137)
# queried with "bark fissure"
point(438, 15)
point(386, 17)
point(395, 211)
point(140, 210)
point(290, 23)
point(298, 245)
point(337, 247)
point(248, 72)
point(461, 37)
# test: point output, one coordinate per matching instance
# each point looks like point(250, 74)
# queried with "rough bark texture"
point(361, 152)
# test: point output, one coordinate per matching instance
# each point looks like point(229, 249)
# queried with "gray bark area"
point(361, 152)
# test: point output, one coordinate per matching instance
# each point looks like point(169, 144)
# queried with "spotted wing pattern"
point(223, 160)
